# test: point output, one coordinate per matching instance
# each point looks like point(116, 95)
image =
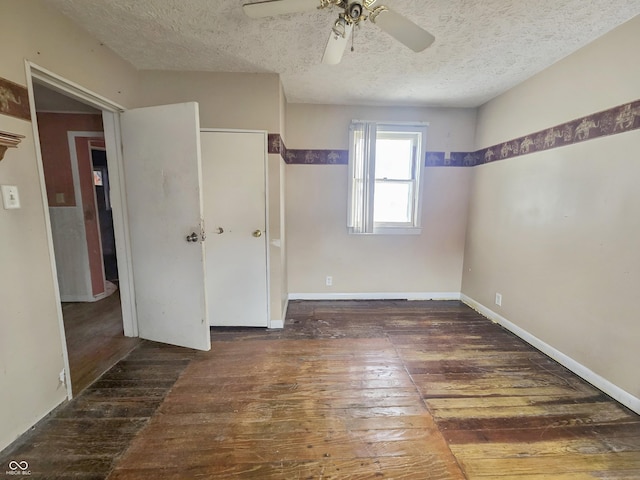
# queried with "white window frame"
point(362, 178)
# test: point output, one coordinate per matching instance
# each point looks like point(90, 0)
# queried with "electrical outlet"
point(499, 299)
point(329, 281)
point(62, 377)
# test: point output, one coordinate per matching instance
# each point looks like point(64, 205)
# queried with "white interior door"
point(234, 175)
point(161, 154)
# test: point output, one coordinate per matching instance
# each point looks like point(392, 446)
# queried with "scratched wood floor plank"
point(611, 462)
point(549, 447)
point(334, 386)
point(425, 467)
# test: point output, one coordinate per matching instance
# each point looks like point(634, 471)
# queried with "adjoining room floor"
point(95, 339)
point(348, 390)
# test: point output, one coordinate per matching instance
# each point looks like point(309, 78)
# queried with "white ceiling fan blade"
point(402, 29)
point(271, 8)
point(336, 46)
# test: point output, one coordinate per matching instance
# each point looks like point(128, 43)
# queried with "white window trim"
point(368, 227)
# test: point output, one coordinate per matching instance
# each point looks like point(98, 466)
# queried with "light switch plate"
point(10, 197)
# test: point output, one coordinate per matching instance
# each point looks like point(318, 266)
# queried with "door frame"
point(93, 148)
point(75, 173)
point(111, 126)
point(267, 230)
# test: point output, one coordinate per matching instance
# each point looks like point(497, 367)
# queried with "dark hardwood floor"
point(83, 438)
point(95, 339)
point(348, 390)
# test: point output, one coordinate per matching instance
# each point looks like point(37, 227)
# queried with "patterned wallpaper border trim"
point(306, 157)
point(619, 119)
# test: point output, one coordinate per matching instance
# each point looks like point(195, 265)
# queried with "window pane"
point(392, 202)
point(394, 158)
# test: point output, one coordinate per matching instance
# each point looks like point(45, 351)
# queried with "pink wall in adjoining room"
point(53, 128)
point(56, 158)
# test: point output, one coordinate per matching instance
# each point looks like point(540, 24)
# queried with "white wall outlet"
point(10, 197)
point(499, 299)
point(62, 377)
point(329, 281)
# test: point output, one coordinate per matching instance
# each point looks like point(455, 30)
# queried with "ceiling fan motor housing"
point(354, 10)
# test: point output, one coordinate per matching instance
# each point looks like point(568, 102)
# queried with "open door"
point(161, 154)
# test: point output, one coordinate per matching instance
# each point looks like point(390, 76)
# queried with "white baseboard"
point(276, 323)
point(590, 376)
point(279, 322)
point(377, 296)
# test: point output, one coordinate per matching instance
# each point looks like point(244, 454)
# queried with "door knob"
point(193, 237)
point(257, 233)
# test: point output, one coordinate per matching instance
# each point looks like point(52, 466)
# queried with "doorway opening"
point(78, 191)
point(151, 138)
point(104, 209)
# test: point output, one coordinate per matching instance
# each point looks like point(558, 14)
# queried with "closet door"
point(234, 179)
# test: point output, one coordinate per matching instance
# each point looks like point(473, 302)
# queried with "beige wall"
point(282, 172)
point(557, 232)
point(246, 101)
point(318, 244)
point(277, 272)
point(30, 341)
point(278, 281)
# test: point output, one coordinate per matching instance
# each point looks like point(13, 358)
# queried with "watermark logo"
point(18, 468)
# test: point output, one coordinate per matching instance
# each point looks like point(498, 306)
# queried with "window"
point(385, 171)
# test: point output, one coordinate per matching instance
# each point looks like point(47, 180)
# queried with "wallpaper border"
point(306, 157)
point(620, 119)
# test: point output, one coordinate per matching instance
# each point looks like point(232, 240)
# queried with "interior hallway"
point(348, 390)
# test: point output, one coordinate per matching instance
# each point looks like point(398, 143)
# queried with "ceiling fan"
point(354, 12)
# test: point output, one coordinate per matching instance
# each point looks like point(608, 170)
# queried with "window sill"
point(389, 231)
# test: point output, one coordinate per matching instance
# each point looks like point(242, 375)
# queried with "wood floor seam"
point(423, 401)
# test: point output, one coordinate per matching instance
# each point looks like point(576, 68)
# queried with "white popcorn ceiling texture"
point(482, 47)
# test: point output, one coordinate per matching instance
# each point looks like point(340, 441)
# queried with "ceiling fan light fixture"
point(340, 27)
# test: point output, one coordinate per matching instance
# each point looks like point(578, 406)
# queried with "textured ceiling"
point(482, 47)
